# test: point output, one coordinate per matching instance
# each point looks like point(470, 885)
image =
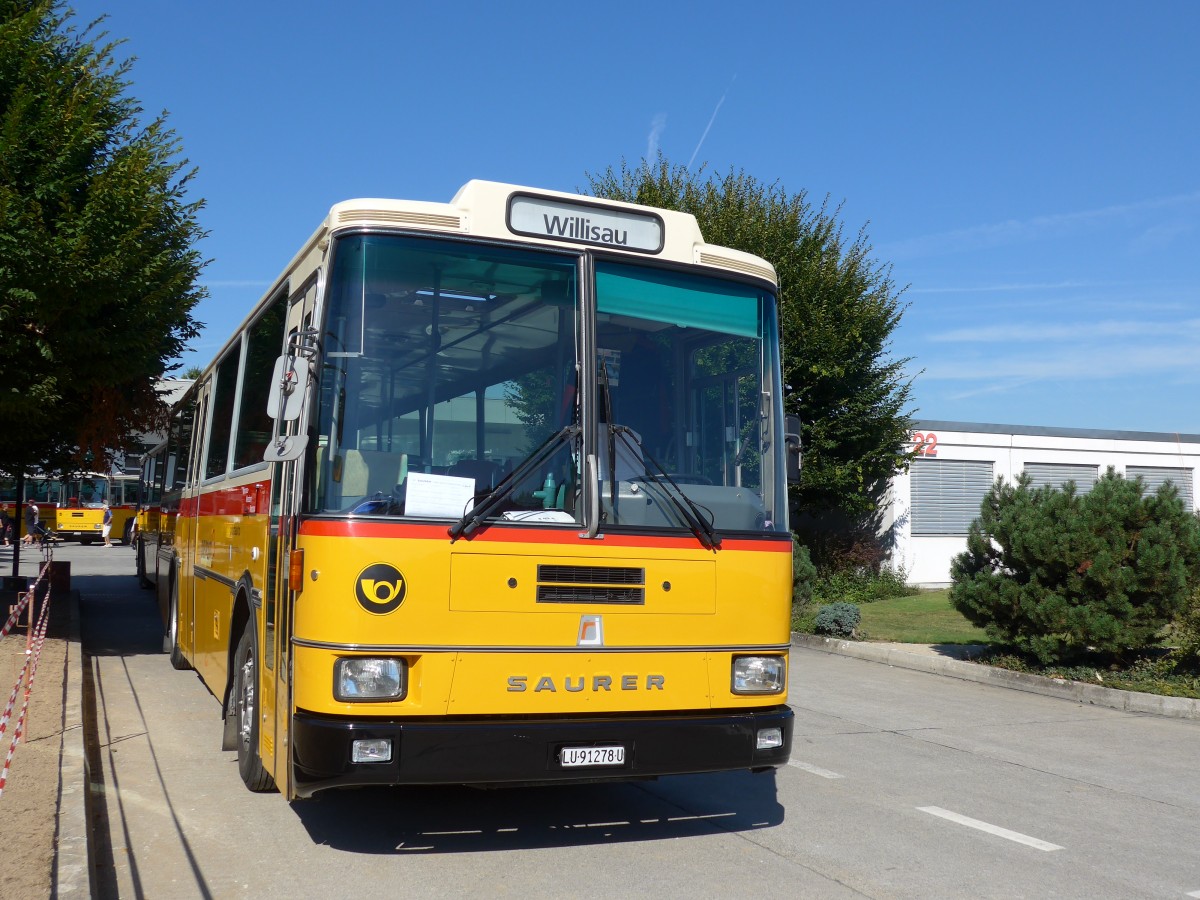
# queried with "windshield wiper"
point(474, 516)
point(684, 505)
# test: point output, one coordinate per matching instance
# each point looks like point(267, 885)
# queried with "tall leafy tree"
point(839, 309)
point(98, 259)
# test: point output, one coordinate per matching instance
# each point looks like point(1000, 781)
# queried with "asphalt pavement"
point(103, 582)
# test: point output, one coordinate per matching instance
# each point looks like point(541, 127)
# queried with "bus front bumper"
point(511, 751)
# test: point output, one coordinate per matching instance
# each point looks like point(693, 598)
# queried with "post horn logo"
point(380, 588)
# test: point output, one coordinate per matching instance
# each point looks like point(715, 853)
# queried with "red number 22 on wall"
point(926, 443)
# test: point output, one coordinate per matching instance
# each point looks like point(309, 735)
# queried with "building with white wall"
point(930, 507)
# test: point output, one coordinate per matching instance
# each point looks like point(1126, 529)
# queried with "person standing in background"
point(31, 524)
point(107, 530)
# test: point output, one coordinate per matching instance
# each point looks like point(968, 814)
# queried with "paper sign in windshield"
point(438, 496)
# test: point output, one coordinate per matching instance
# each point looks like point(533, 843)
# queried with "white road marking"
point(813, 770)
point(990, 829)
point(1192, 894)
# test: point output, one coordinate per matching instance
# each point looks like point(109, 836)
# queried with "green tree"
point(839, 309)
point(98, 266)
point(1056, 573)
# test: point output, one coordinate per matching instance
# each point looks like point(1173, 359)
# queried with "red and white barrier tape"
point(24, 600)
point(26, 676)
point(39, 641)
point(16, 614)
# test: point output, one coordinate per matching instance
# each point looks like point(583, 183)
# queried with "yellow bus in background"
point(487, 492)
point(41, 490)
point(151, 526)
point(80, 515)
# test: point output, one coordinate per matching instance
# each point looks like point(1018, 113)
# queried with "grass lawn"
point(928, 618)
point(924, 618)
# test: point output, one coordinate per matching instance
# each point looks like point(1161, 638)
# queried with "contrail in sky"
point(656, 130)
point(708, 127)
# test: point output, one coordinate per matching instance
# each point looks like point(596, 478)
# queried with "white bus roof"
point(491, 209)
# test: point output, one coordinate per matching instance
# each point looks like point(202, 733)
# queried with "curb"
point(1076, 691)
point(72, 876)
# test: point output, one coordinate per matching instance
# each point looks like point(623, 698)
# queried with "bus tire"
point(244, 708)
point(143, 582)
point(171, 637)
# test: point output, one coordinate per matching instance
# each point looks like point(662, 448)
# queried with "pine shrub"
point(838, 619)
point(1185, 637)
point(1056, 573)
point(804, 574)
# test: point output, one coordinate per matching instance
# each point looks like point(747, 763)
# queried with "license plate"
point(579, 757)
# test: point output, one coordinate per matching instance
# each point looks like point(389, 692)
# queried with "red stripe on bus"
point(350, 528)
point(242, 500)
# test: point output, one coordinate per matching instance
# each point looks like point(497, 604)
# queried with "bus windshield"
point(685, 367)
point(441, 359)
point(445, 365)
point(88, 491)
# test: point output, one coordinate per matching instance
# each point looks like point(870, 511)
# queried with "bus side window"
point(217, 460)
point(262, 347)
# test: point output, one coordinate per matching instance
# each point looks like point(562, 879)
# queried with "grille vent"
point(591, 584)
point(712, 259)
point(400, 217)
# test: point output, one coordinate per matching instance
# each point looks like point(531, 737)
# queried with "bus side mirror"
point(288, 385)
point(285, 447)
point(791, 440)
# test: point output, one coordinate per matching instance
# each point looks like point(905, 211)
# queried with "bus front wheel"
point(244, 708)
point(171, 638)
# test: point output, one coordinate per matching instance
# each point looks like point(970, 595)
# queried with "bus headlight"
point(758, 675)
point(358, 678)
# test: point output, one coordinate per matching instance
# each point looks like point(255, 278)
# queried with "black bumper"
point(510, 751)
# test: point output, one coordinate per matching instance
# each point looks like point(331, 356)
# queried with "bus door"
point(287, 479)
point(277, 615)
point(188, 548)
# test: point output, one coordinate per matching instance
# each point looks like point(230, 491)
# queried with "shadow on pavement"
point(119, 619)
point(467, 820)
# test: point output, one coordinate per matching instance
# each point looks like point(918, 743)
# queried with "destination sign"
point(586, 224)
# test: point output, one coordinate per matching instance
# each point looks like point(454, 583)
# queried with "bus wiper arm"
point(478, 512)
point(686, 507)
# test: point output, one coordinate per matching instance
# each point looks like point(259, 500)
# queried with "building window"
point(1056, 475)
point(1154, 476)
point(947, 493)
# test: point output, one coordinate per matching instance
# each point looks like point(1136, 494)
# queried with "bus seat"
point(369, 472)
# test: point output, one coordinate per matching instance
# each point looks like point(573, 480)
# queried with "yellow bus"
point(80, 515)
point(41, 490)
point(147, 525)
point(491, 491)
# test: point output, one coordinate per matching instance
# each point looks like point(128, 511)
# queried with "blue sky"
point(1030, 170)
